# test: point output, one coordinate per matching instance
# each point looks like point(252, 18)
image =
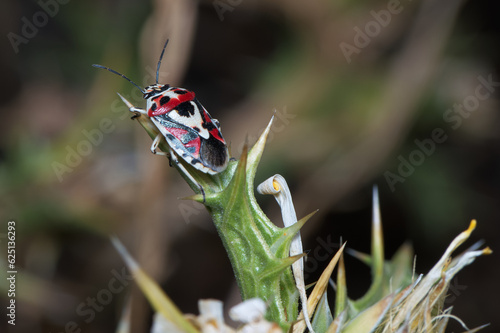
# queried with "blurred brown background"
point(365, 92)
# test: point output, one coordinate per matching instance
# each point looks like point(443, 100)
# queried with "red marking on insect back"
point(214, 132)
point(196, 143)
point(172, 102)
point(179, 133)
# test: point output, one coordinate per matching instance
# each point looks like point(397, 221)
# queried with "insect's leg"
point(155, 144)
point(174, 159)
point(132, 108)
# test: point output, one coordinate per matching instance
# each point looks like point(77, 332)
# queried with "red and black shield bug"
point(185, 124)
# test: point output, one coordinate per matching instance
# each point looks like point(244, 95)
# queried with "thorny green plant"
point(267, 264)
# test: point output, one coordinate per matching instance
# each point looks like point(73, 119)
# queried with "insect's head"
point(155, 89)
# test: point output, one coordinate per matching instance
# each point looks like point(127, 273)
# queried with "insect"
point(185, 124)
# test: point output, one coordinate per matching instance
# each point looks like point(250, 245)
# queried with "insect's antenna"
point(159, 61)
point(119, 74)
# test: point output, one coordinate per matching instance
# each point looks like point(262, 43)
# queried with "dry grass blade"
point(318, 291)
point(158, 299)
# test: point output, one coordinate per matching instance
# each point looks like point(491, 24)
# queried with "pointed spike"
point(242, 163)
point(129, 260)
point(207, 200)
point(294, 258)
point(363, 257)
point(376, 205)
point(125, 319)
point(124, 100)
point(289, 233)
point(341, 292)
point(479, 328)
point(310, 285)
point(282, 264)
point(195, 197)
point(157, 298)
point(237, 189)
point(377, 254)
point(377, 235)
point(255, 153)
point(376, 259)
point(239, 177)
point(300, 223)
